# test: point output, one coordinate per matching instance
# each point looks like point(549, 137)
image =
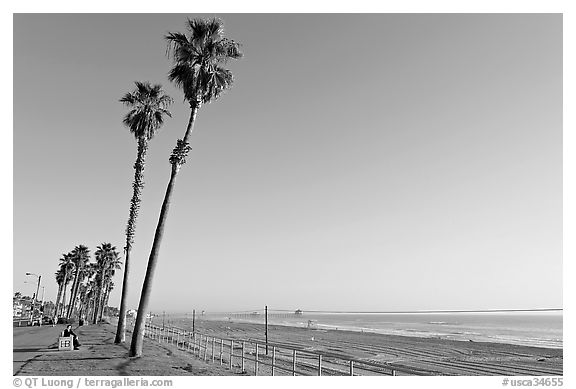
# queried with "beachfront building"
point(17, 308)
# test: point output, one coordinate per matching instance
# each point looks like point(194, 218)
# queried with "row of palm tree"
point(91, 282)
point(199, 58)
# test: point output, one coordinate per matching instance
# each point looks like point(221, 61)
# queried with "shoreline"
point(473, 338)
point(407, 334)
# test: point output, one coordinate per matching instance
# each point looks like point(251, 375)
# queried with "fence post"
point(273, 359)
point(206, 349)
point(178, 339)
point(266, 329)
point(352, 368)
point(213, 341)
point(242, 363)
point(293, 362)
point(221, 350)
point(393, 372)
point(256, 361)
point(319, 364)
point(231, 352)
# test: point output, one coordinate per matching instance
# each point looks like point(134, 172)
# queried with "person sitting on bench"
point(68, 332)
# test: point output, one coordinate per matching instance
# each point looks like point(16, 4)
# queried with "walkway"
point(35, 352)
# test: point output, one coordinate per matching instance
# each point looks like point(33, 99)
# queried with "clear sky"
point(360, 162)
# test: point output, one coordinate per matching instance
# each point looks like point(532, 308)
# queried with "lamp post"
point(35, 296)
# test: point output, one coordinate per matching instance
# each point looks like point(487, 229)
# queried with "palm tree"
point(107, 258)
point(68, 266)
point(198, 70)
point(85, 290)
point(148, 104)
point(91, 297)
point(109, 287)
point(60, 276)
point(80, 258)
point(108, 284)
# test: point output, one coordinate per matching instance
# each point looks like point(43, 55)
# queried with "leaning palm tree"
point(199, 59)
point(148, 105)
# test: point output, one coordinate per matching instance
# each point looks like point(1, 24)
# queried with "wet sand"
point(411, 355)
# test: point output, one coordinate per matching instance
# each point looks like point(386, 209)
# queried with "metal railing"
point(261, 358)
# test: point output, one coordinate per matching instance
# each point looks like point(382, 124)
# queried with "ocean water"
point(539, 329)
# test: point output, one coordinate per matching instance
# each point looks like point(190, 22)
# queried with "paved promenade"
point(35, 352)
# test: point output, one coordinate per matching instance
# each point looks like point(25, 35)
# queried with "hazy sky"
point(360, 162)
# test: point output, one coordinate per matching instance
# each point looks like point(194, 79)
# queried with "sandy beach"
point(411, 355)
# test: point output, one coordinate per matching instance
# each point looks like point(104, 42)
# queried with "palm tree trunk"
point(138, 334)
point(98, 302)
point(90, 307)
point(121, 329)
point(58, 299)
point(107, 297)
point(130, 229)
point(64, 299)
point(194, 107)
point(74, 297)
point(70, 303)
point(103, 303)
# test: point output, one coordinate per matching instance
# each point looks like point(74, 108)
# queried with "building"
point(17, 309)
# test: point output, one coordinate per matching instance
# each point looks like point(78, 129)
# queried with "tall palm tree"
point(68, 266)
point(109, 273)
point(106, 259)
point(80, 258)
point(85, 290)
point(199, 58)
point(148, 105)
point(60, 275)
point(91, 297)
